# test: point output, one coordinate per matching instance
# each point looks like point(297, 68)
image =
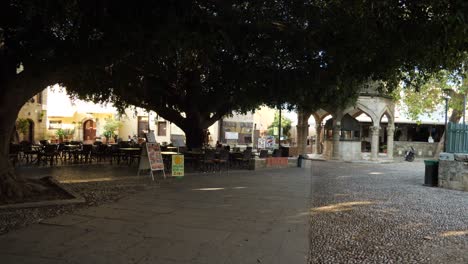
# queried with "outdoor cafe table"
point(70, 149)
point(167, 158)
point(169, 153)
point(128, 152)
point(72, 146)
point(129, 149)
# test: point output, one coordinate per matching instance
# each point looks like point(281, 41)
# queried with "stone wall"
point(453, 174)
point(327, 149)
point(423, 149)
point(350, 150)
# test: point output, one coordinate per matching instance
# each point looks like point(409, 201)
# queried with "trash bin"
point(431, 175)
point(299, 161)
point(284, 151)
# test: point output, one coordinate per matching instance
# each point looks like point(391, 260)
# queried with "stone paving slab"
point(244, 217)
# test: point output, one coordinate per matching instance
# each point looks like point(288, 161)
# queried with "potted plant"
point(69, 133)
point(60, 134)
point(384, 148)
point(110, 127)
point(22, 126)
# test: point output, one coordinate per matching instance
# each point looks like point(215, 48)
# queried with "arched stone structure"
point(372, 104)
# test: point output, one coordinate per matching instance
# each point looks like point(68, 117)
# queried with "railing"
point(457, 138)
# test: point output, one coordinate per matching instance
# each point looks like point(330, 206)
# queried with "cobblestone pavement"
point(381, 213)
point(244, 217)
point(353, 213)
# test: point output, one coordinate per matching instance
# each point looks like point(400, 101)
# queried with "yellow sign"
point(177, 165)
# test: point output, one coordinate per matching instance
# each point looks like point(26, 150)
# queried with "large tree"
point(30, 52)
point(48, 42)
point(195, 62)
point(208, 59)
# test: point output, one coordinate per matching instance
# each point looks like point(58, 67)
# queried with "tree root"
point(14, 187)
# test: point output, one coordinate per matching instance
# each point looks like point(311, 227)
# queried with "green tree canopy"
point(202, 60)
point(193, 62)
point(285, 126)
point(430, 96)
point(110, 127)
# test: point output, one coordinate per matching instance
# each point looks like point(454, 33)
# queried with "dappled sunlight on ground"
point(346, 206)
point(208, 189)
point(343, 177)
point(454, 233)
point(218, 188)
point(375, 173)
point(340, 207)
point(90, 180)
point(341, 195)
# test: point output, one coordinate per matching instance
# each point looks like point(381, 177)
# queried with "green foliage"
point(195, 62)
point(430, 96)
point(69, 132)
point(285, 125)
point(110, 127)
point(22, 125)
point(60, 133)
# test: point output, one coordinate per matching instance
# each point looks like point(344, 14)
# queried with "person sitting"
point(219, 145)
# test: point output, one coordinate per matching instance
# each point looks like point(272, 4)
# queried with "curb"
point(77, 199)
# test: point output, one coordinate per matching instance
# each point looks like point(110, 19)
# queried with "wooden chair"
point(115, 154)
point(48, 154)
point(85, 153)
point(14, 153)
point(223, 160)
point(245, 159)
point(208, 161)
point(263, 154)
point(100, 152)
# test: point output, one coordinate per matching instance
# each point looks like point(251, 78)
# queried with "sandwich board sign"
point(151, 159)
point(150, 137)
point(178, 165)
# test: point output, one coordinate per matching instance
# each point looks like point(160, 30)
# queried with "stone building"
point(339, 135)
point(35, 112)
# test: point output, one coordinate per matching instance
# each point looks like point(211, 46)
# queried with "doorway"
point(29, 136)
point(89, 130)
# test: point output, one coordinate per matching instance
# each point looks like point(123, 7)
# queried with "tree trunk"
point(11, 185)
point(302, 131)
point(12, 97)
point(194, 127)
point(194, 137)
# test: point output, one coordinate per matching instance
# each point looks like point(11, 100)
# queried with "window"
point(162, 127)
point(39, 98)
point(143, 126)
point(55, 124)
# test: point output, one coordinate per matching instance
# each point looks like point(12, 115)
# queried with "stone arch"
point(388, 132)
point(390, 115)
point(319, 116)
point(364, 109)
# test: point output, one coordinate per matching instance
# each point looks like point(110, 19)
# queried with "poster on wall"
point(150, 137)
point(261, 143)
point(270, 142)
point(232, 135)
